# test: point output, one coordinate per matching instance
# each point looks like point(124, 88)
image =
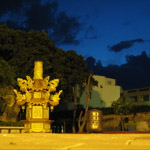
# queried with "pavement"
point(53, 141)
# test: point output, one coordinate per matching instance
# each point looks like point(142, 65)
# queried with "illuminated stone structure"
point(36, 97)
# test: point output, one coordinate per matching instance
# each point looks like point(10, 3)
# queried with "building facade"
point(104, 94)
point(138, 96)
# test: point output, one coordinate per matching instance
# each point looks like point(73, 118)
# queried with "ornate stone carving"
point(36, 96)
point(27, 86)
point(22, 83)
point(30, 82)
point(45, 82)
point(21, 99)
point(56, 97)
point(53, 84)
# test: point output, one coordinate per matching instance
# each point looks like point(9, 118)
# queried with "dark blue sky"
point(107, 30)
point(106, 23)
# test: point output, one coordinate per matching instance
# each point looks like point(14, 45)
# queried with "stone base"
point(37, 125)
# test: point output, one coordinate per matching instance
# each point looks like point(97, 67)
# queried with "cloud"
point(9, 5)
point(91, 33)
point(66, 29)
point(124, 45)
point(13, 6)
point(41, 15)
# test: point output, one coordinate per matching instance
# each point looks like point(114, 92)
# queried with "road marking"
point(4, 134)
point(73, 146)
point(128, 142)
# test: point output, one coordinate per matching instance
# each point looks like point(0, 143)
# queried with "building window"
point(134, 98)
point(109, 82)
point(121, 94)
point(101, 86)
point(145, 89)
point(145, 97)
point(132, 91)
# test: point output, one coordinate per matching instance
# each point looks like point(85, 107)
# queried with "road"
point(28, 141)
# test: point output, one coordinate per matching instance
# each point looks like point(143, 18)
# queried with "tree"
point(98, 68)
point(82, 120)
point(7, 74)
point(72, 71)
point(121, 107)
point(20, 49)
point(91, 63)
point(7, 80)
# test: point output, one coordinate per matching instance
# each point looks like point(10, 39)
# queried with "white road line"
point(73, 146)
point(128, 142)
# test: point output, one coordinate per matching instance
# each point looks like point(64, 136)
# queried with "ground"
point(74, 141)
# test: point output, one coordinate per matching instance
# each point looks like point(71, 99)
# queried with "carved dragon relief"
point(26, 86)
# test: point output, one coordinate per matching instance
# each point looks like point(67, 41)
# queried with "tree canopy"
point(133, 74)
point(121, 107)
point(19, 49)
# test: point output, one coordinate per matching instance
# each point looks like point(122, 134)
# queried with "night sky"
point(107, 30)
point(116, 32)
point(111, 29)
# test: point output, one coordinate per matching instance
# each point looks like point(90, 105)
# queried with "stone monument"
point(37, 99)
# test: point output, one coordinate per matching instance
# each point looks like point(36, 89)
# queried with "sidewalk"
point(45, 141)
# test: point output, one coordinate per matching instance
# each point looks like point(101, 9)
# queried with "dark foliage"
point(134, 74)
point(19, 49)
point(140, 109)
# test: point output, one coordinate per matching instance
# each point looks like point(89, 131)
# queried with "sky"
point(112, 29)
point(107, 30)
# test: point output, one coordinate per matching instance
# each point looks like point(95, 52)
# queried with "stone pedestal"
point(37, 119)
point(37, 125)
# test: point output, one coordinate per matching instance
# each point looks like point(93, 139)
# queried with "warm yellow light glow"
point(36, 97)
point(37, 127)
point(38, 70)
point(37, 112)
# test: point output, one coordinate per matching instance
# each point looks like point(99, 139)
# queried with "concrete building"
point(103, 94)
point(138, 96)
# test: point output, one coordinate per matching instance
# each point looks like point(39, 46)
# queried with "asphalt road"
point(45, 141)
